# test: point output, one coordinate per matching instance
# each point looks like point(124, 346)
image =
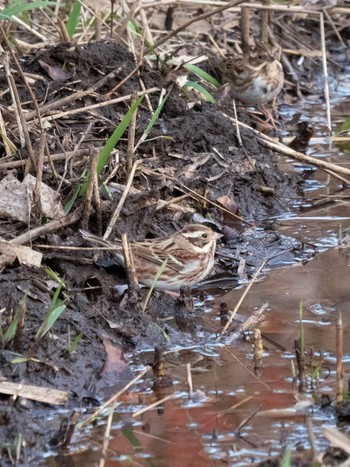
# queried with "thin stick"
point(304, 158)
point(245, 26)
point(340, 369)
point(90, 188)
point(264, 23)
point(39, 173)
point(24, 78)
point(189, 380)
point(151, 406)
point(114, 398)
point(129, 262)
point(236, 118)
point(80, 94)
point(281, 148)
point(54, 157)
point(106, 437)
point(325, 73)
point(97, 106)
point(191, 21)
point(18, 108)
point(5, 139)
point(131, 137)
point(120, 205)
point(38, 231)
point(240, 301)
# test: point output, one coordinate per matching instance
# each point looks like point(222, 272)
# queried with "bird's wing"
point(152, 253)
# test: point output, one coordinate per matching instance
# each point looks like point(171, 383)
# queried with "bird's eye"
point(205, 235)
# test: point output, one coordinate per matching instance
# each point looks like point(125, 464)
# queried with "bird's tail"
point(95, 240)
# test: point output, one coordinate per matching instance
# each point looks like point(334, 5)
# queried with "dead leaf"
point(24, 254)
point(56, 73)
point(227, 203)
point(16, 199)
point(115, 369)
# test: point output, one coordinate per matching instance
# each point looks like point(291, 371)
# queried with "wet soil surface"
point(192, 145)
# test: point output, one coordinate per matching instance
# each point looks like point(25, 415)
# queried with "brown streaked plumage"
point(256, 77)
point(190, 254)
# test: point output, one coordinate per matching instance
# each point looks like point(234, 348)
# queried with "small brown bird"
point(256, 77)
point(189, 254)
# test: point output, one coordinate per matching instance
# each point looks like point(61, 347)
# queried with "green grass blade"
point(75, 343)
point(11, 330)
point(71, 202)
point(286, 460)
point(154, 282)
point(112, 141)
point(73, 19)
point(56, 308)
point(51, 273)
point(344, 127)
point(153, 120)
point(50, 321)
point(199, 88)
point(156, 114)
point(19, 8)
point(203, 74)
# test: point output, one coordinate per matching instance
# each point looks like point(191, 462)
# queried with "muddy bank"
point(193, 149)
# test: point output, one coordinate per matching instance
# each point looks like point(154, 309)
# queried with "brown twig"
point(282, 149)
point(258, 352)
point(131, 137)
point(129, 262)
point(18, 108)
point(90, 188)
point(39, 175)
point(42, 230)
point(121, 29)
point(254, 320)
point(63, 31)
point(53, 158)
point(245, 29)
point(114, 398)
point(264, 23)
point(243, 296)
point(340, 369)
point(191, 21)
point(120, 205)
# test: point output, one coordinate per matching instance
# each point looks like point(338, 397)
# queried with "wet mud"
point(193, 145)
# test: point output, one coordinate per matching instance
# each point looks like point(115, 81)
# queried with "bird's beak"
point(217, 235)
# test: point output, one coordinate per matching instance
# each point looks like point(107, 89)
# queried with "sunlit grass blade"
point(20, 7)
point(73, 19)
point(72, 345)
point(9, 143)
point(344, 127)
point(199, 88)
point(154, 282)
point(11, 330)
point(55, 310)
point(342, 136)
point(153, 120)
point(19, 358)
point(203, 74)
point(75, 195)
point(112, 141)
point(286, 460)
point(51, 273)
